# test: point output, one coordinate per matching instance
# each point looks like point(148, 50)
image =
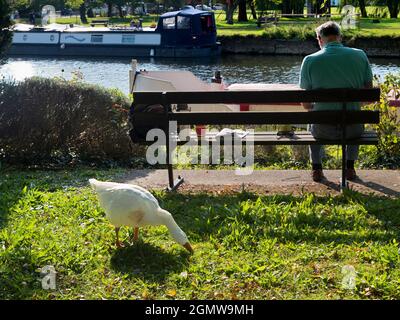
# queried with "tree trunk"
point(293, 7)
point(393, 6)
point(82, 13)
point(298, 7)
point(253, 9)
point(318, 9)
point(286, 7)
point(230, 8)
point(362, 8)
point(120, 11)
point(109, 9)
point(242, 16)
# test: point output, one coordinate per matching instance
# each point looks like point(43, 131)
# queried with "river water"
point(113, 73)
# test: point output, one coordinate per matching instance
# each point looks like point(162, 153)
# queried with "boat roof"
point(75, 28)
point(186, 11)
point(49, 27)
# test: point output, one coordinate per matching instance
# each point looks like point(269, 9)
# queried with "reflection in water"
point(234, 68)
point(18, 70)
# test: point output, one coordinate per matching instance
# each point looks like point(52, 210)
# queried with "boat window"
point(206, 23)
point(183, 22)
point(169, 23)
point(128, 38)
point(97, 38)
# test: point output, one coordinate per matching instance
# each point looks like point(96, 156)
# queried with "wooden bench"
point(99, 22)
point(264, 20)
point(343, 117)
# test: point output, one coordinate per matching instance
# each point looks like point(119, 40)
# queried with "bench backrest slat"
point(260, 97)
point(240, 118)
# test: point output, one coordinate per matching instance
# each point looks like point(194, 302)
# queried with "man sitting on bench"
point(334, 66)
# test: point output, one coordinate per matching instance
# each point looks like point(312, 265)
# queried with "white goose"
point(131, 205)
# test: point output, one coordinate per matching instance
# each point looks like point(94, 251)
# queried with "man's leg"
point(353, 131)
point(352, 156)
point(316, 153)
point(334, 132)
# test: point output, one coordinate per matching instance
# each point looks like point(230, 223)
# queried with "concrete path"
point(382, 182)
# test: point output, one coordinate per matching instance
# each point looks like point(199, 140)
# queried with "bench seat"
point(271, 138)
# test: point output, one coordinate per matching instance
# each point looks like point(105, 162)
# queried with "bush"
point(304, 32)
point(46, 120)
point(387, 153)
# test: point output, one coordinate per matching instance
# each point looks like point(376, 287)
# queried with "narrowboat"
point(185, 33)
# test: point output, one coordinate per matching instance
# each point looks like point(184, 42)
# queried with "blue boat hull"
point(114, 51)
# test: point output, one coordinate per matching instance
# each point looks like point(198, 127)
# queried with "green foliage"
point(247, 246)
point(304, 32)
point(27, 5)
point(5, 34)
point(388, 150)
point(378, 12)
point(75, 4)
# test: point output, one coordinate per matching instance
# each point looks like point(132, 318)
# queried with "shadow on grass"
point(345, 219)
point(148, 262)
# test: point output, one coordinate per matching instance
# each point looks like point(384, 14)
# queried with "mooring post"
point(132, 74)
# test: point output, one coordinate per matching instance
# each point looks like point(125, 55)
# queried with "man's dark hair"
point(327, 29)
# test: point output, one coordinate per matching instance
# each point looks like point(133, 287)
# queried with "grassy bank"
point(246, 246)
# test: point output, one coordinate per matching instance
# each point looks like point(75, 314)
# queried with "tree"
point(252, 5)
point(109, 8)
point(82, 12)
point(322, 6)
point(363, 10)
point(393, 6)
point(75, 4)
point(230, 9)
point(5, 33)
point(120, 4)
point(262, 6)
point(242, 16)
point(293, 6)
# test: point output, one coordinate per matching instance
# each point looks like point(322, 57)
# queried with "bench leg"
point(172, 185)
point(343, 182)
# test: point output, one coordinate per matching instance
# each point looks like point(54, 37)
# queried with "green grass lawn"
point(246, 245)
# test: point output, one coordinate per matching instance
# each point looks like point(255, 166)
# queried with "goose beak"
point(188, 247)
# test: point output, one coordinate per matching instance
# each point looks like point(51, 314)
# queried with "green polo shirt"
point(335, 66)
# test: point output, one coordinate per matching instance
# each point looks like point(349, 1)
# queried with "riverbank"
point(383, 47)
